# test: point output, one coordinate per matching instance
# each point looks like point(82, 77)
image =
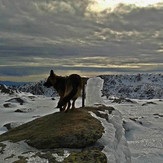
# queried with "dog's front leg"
point(59, 105)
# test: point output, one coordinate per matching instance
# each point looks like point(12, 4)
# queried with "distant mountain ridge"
point(37, 88)
point(10, 83)
point(139, 86)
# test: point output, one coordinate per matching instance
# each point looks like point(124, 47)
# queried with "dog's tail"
point(77, 84)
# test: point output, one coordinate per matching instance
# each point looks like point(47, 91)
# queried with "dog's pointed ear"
point(51, 73)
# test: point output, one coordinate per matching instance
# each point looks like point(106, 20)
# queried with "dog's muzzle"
point(47, 85)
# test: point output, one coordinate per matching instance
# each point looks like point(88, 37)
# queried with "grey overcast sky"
point(89, 37)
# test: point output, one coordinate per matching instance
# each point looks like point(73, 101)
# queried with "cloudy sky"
point(89, 37)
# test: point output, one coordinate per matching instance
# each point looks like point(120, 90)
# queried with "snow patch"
point(93, 91)
point(114, 141)
point(61, 158)
point(13, 150)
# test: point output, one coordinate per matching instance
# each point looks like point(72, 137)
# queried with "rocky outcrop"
point(75, 129)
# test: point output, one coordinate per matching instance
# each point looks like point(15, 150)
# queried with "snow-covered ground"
point(133, 132)
point(143, 122)
point(11, 111)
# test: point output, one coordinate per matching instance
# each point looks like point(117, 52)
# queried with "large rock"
point(75, 129)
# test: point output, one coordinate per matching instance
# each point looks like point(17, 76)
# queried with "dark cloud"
point(64, 32)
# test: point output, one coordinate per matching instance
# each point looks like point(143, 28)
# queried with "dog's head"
point(51, 80)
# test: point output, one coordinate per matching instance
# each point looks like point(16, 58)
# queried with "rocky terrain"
point(139, 86)
point(36, 88)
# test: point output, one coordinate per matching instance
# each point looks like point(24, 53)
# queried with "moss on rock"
point(86, 156)
point(75, 129)
point(91, 156)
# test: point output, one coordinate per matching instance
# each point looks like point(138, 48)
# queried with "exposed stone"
point(75, 129)
point(18, 100)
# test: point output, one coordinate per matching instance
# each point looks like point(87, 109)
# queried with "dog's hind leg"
point(68, 107)
point(73, 103)
point(64, 107)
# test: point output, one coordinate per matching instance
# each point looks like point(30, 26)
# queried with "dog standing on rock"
point(68, 88)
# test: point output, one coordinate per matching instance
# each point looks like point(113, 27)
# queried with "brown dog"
point(68, 88)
